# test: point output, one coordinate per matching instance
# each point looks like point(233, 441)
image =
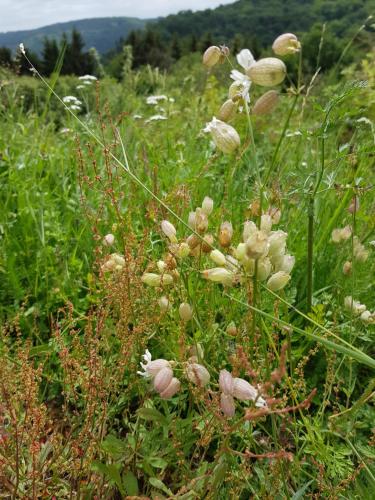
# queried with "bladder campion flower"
point(267, 72)
point(211, 56)
point(225, 137)
point(286, 44)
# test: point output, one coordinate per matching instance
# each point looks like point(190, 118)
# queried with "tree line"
point(69, 51)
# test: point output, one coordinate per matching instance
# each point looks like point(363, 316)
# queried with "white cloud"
point(28, 14)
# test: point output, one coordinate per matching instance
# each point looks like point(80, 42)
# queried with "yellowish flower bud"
point(286, 44)
point(266, 104)
point(219, 275)
point(278, 281)
point(161, 265)
point(225, 234)
point(267, 72)
point(185, 311)
point(164, 304)
point(152, 279)
point(218, 257)
point(169, 230)
point(211, 56)
point(227, 111)
point(240, 252)
point(225, 137)
point(207, 205)
point(283, 263)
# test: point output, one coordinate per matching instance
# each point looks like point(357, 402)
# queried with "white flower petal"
point(245, 59)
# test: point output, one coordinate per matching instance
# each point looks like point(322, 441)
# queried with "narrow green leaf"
point(299, 494)
point(130, 483)
point(152, 414)
point(156, 483)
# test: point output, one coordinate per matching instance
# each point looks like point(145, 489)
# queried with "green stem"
point(310, 251)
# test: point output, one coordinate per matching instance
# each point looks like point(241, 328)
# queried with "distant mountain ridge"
point(101, 33)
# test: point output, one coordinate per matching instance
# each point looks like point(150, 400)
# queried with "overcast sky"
point(28, 14)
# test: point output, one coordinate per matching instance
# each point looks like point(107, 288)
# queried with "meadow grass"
point(76, 418)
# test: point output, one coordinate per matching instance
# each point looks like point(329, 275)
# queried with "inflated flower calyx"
point(278, 281)
point(201, 221)
point(286, 44)
point(225, 234)
point(163, 378)
point(164, 304)
point(154, 280)
point(219, 275)
point(257, 244)
point(212, 56)
point(197, 374)
point(172, 389)
point(227, 404)
point(225, 137)
point(267, 72)
point(185, 311)
point(169, 230)
point(266, 103)
point(218, 257)
point(228, 110)
point(207, 205)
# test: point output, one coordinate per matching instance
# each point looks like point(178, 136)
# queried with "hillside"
point(265, 20)
point(101, 33)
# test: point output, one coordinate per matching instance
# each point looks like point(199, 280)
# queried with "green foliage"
point(73, 335)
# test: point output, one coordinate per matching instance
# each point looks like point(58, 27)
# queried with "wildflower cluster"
point(360, 310)
point(262, 251)
point(266, 72)
point(160, 372)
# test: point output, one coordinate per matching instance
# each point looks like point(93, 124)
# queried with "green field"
point(77, 420)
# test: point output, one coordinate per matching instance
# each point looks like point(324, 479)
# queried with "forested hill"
point(267, 19)
point(101, 33)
